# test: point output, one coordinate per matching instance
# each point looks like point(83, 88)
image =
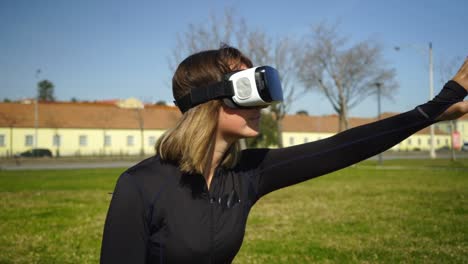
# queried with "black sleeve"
point(278, 168)
point(125, 230)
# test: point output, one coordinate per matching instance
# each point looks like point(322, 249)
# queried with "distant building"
point(128, 127)
point(68, 129)
point(298, 129)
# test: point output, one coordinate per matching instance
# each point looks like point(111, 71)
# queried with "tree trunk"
point(280, 133)
point(343, 117)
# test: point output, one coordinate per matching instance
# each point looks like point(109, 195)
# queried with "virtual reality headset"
point(250, 88)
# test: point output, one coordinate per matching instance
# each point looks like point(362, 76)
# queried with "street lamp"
point(432, 152)
point(379, 86)
point(36, 112)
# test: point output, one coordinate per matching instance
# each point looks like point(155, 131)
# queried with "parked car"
point(465, 147)
point(444, 148)
point(35, 153)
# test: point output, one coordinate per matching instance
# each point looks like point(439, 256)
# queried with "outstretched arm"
point(283, 167)
point(459, 109)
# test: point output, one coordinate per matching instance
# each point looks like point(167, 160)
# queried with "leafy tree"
point(45, 90)
point(268, 132)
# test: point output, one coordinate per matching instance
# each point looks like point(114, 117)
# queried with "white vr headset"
point(250, 88)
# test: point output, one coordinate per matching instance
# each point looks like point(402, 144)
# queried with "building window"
point(107, 140)
point(438, 141)
point(83, 140)
point(2, 140)
point(409, 141)
point(419, 142)
point(446, 141)
point(291, 141)
point(130, 141)
point(151, 140)
point(29, 140)
point(428, 141)
point(56, 140)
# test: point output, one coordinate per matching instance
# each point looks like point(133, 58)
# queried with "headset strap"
point(198, 96)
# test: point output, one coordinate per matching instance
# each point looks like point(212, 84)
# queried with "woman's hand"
point(459, 109)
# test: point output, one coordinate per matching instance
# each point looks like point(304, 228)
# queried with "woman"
point(190, 202)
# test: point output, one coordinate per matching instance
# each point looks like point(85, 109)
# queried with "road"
point(80, 163)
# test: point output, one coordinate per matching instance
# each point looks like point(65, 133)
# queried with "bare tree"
point(208, 35)
point(447, 69)
point(281, 53)
point(345, 74)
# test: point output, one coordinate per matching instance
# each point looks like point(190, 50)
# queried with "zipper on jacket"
point(211, 229)
point(212, 201)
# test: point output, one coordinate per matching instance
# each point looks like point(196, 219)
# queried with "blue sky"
point(102, 49)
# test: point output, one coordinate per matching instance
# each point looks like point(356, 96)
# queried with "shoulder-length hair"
point(191, 142)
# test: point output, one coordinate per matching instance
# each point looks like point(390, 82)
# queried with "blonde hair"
point(191, 142)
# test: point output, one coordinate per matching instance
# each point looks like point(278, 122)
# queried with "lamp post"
point(36, 112)
point(431, 95)
point(432, 152)
point(379, 86)
point(36, 121)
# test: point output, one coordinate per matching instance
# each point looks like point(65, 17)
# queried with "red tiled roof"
point(329, 123)
point(106, 115)
point(87, 115)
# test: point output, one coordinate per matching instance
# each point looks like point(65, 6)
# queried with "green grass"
point(53, 216)
point(412, 211)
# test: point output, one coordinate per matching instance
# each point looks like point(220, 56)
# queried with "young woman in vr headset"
point(189, 203)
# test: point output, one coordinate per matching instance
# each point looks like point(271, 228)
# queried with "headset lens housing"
point(268, 84)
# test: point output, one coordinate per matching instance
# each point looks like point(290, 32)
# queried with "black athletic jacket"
point(160, 215)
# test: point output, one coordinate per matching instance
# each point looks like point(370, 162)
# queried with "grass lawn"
point(404, 211)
